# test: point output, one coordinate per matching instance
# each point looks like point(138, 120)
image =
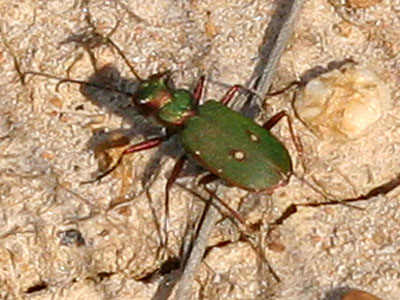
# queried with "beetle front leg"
point(199, 89)
point(151, 143)
point(230, 94)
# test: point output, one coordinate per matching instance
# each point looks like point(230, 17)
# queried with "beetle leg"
point(275, 119)
point(170, 181)
point(285, 89)
point(210, 178)
point(175, 172)
point(148, 144)
point(198, 91)
point(230, 93)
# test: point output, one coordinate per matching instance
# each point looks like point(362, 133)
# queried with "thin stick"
point(196, 255)
point(275, 42)
point(275, 53)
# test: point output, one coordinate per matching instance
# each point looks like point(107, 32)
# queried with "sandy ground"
point(60, 239)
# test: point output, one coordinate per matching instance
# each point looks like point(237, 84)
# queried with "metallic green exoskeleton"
point(235, 148)
point(222, 141)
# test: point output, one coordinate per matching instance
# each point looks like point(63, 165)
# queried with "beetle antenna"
point(76, 81)
point(121, 53)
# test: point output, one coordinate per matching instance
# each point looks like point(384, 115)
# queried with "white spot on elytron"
point(239, 155)
point(197, 152)
point(219, 170)
point(254, 138)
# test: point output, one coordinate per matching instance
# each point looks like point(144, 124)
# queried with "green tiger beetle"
point(225, 143)
point(229, 145)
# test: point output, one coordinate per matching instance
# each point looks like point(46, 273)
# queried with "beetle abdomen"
point(235, 148)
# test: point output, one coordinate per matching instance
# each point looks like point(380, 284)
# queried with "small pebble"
point(362, 3)
point(344, 103)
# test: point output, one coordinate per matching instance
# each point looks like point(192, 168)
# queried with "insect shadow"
point(107, 88)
